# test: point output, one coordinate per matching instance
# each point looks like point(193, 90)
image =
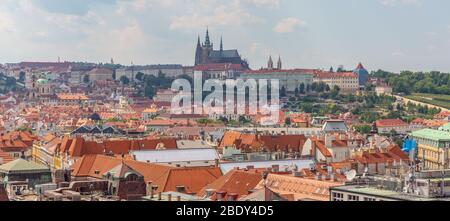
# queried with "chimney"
point(149, 189)
point(232, 196)
point(169, 197)
point(328, 140)
point(297, 174)
point(220, 195)
point(209, 192)
point(181, 189)
point(159, 196)
point(276, 168)
point(178, 198)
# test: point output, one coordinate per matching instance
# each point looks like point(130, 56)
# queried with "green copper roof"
point(42, 81)
point(21, 165)
point(436, 135)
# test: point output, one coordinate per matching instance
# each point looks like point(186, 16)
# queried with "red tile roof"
point(219, 67)
point(78, 146)
point(390, 123)
point(300, 188)
point(268, 71)
point(289, 143)
point(166, 178)
point(236, 181)
point(5, 158)
point(335, 75)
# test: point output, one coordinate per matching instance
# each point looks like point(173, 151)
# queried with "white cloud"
point(289, 25)
point(393, 3)
point(398, 54)
point(6, 22)
point(222, 15)
point(264, 3)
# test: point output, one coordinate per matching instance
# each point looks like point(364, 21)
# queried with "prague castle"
point(205, 54)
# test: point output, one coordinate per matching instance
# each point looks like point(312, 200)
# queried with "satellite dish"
point(350, 175)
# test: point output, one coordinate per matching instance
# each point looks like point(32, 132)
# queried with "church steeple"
point(198, 41)
point(207, 41)
point(270, 63)
point(279, 64)
point(221, 44)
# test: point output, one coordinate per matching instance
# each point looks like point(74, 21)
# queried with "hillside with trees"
point(408, 82)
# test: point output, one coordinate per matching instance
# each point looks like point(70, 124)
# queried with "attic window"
point(97, 172)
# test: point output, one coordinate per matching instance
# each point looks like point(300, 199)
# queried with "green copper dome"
point(42, 81)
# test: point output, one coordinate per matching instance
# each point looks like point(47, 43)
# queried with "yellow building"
point(433, 148)
point(348, 82)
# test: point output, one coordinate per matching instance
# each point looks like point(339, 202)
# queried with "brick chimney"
point(220, 195)
point(276, 168)
point(232, 196)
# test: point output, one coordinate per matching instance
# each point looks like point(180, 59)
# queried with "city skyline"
point(392, 35)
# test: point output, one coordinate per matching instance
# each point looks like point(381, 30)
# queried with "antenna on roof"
point(350, 175)
point(366, 169)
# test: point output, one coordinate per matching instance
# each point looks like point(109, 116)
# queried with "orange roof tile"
point(235, 181)
point(166, 178)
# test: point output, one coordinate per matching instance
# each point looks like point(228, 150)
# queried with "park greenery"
point(408, 82)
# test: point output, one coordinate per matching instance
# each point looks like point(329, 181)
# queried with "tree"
point(124, 80)
point(283, 92)
point(95, 117)
point(287, 121)
point(161, 74)
point(335, 91)
point(302, 88)
point(393, 133)
point(296, 91)
point(22, 76)
point(363, 129)
point(86, 79)
point(399, 107)
point(140, 76)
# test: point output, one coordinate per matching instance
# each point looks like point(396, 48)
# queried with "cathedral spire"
point(270, 63)
point(198, 41)
point(207, 41)
point(279, 64)
point(221, 43)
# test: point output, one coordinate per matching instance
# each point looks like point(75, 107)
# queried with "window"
point(352, 198)
point(338, 197)
point(369, 199)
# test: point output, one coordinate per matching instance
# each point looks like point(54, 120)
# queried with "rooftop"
point(388, 194)
point(23, 166)
point(436, 135)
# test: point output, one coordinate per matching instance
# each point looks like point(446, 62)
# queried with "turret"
point(279, 64)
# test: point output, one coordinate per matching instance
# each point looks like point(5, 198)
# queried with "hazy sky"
point(383, 34)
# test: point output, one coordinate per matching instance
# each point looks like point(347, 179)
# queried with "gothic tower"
point(198, 52)
point(279, 64)
point(270, 63)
